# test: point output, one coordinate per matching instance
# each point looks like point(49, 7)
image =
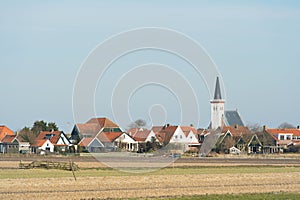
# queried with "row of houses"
point(102, 135)
point(239, 139)
point(46, 141)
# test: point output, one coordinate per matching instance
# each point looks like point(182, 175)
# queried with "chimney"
point(298, 127)
point(236, 126)
point(264, 127)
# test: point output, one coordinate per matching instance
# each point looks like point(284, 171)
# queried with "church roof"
point(218, 95)
point(233, 118)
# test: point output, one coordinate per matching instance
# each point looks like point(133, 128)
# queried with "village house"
point(146, 139)
point(24, 147)
point(6, 136)
point(92, 128)
point(171, 137)
point(10, 144)
point(235, 136)
point(268, 141)
point(287, 138)
point(231, 139)
point(109, 134)
point(191, 138)
point(42, 146)
point(51, 141)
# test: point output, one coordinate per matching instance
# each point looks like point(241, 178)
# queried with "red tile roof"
point(95, 125)
point(91, 128)
point(8, 138)
point(109, 136)
point(157, 128)
point(141, 135)
point(52, 136)
point(187, 129)
point(166, 133)
point(103, 122)
point(237, 131)
point(133, 131)
point(85, 142)
point(39, 143)
point(295, 132)
point(5, 131)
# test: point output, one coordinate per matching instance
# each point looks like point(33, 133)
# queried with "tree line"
point(29, 134)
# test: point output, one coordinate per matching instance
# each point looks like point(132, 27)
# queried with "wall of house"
point(24, 147)
point(96, 146)
point(285, 136)
point(47, 146)
point(178, 137)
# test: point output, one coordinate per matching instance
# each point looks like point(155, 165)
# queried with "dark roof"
point(53, 136)
point(233, 118)
point(166, 133)
point(218, 95)
point(266, 138)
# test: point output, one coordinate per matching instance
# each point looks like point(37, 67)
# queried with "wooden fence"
point(70, 166)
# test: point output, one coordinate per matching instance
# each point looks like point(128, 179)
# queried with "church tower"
point(217, 108)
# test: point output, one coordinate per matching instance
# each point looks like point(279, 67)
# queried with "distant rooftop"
point(233, 118)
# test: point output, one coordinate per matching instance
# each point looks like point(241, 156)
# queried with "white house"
point(126, 142)
point(44, 145)
point(142, 136)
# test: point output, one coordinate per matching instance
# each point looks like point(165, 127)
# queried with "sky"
point(254, 44)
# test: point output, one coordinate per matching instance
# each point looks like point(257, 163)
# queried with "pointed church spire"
point(217, 90)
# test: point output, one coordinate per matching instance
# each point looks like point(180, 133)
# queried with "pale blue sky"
point(255, 45)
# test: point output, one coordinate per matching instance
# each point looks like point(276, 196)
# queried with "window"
point(281, 137)
point(288, 137)
point(176, 137)
point(181, 137)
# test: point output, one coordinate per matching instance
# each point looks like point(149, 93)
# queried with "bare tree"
point(286, 125)
point(139, 123)
point(228, 143)
point(255, 128)
point(27, 135)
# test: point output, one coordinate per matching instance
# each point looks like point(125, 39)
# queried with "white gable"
point(191, 138)
point(124, 138)
point(178, 136)
point(149, 138)
point(47, 146)
point(63, 140)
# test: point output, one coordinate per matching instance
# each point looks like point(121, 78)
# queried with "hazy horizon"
point(255, 45)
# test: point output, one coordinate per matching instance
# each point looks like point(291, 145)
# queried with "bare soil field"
point(186, 177)
point(88, 161)
point(162, 184)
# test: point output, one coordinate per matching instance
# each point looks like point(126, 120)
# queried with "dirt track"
point(91, 162)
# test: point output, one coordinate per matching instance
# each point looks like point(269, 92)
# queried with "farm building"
point(92, 128)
